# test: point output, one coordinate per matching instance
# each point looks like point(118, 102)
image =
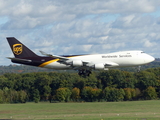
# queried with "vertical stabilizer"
point(19, 50)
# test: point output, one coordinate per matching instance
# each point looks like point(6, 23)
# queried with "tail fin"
point(19, 50)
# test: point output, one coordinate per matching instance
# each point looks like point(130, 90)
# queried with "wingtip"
point(42, 52)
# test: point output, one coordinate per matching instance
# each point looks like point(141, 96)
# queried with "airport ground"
point(128, 110)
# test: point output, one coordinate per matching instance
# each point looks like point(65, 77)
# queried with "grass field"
point(135, 110)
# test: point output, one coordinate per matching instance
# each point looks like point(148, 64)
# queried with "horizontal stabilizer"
point(19, 59)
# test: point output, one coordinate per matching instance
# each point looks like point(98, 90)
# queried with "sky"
point(70, 27)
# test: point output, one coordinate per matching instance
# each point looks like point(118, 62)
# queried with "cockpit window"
point(142, 52)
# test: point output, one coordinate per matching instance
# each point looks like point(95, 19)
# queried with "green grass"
point(135, 110)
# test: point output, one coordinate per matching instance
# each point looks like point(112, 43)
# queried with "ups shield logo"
point(17, 49)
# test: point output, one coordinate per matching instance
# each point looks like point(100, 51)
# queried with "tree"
point(1, 96)
point(129, 80)
point(27, 81)
point(80, 83)
point(137, 93)
point(128, 94)
point(6, 95)
point(75, 94)
point(46, 92)
point(36, 96)
point(96, 94)
point(90, 94)
point(86, 93)
point(121, 94)
point(156, 71)
point(63, 94)
point(14, 96)
point(91, 81)
point(3, 82)
point(146, 79)
point(111, 78)
point(150, 93)
point(22, 96)
point(113, 94)
point(42, 83)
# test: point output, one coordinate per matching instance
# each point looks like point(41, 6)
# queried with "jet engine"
point(75, 63)
point(99, 66)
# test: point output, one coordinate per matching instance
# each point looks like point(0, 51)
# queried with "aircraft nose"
point(150, 59)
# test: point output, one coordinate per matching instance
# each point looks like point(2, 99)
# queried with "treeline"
point(21, 69)
point(112, 85)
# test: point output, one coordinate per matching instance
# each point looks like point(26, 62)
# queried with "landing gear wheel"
point(84, 72)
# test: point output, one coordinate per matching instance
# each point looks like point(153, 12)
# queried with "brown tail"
point(19, 50)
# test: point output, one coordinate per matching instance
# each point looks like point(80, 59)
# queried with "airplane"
point(84, 64)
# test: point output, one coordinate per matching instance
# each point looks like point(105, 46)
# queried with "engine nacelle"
point(77, 63)
point(99, 66)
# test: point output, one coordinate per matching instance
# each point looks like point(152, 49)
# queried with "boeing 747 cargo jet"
point(83, 63)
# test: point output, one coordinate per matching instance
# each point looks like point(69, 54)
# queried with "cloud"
point(77, 27)
point(148, 44)
point(31, 14)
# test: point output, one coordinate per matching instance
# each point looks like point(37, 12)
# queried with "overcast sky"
point(80, 26)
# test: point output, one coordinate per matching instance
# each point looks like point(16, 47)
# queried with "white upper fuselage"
point(116, 59)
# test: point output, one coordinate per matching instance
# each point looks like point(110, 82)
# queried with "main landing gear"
point(139, 69)
point(84, 72)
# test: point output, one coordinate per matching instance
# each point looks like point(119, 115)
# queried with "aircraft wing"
point(65, 60)
point(54, 56)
